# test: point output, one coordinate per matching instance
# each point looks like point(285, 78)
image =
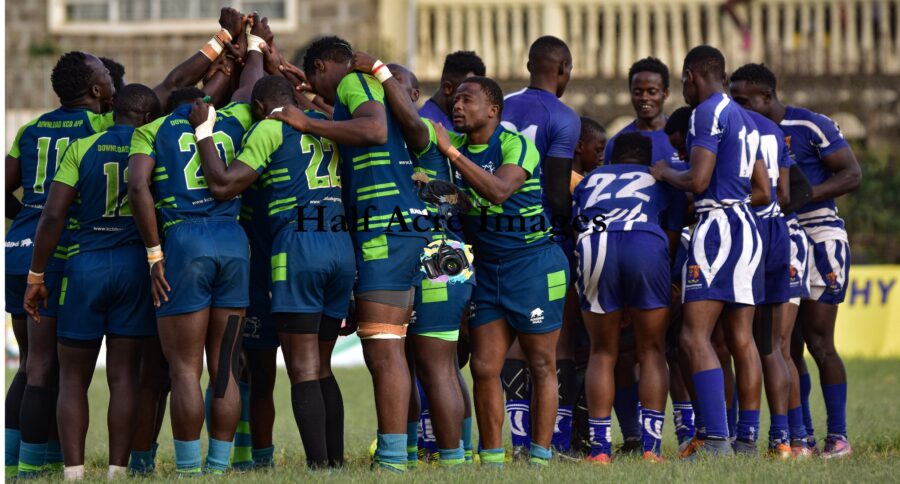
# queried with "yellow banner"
point(868, 322)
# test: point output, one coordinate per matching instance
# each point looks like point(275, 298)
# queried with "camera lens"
point(451, 265)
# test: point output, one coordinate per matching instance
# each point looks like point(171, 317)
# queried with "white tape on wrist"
point(253, 43)
point(381, 71)
point(205, 129)
point(154, 255)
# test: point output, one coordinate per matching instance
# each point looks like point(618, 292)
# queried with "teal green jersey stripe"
point(282, 209)
point(375, 187)
point(159, 178)
point(529, 238)
point(282, 201)
point(271, 173)
point(378, 162)
point(373, 154)
point(378, 195)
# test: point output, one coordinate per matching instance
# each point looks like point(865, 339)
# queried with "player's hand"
point(35, 296)
point(350, 323)
point(232, 21)
point(159, 286)
point(293, 116)
point(659, 168)
point(295, 75)
point(271, 59)
point(261, 28)
point(443, 139)
point(199, 113)
point(362, 62)
point(223, 64)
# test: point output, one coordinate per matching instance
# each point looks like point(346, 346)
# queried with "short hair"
point(590, 126)
point(413, 80)
point(136, 98)
point(650, 64)
point(755, 74)
point(331, 48)
point(273, 87)
point(181, 96)
point(462, 62)
point(705, 60)
point(547, 46)
point(633, 146)
point(679, 121)
point(489, 87)
point(71, 76)
point(116, 72)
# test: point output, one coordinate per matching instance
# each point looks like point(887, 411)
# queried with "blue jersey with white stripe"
point(430, 110)
point(662, 148)
point(720, 125)
point(776, 155)
point(629, 198)
point(810, 137)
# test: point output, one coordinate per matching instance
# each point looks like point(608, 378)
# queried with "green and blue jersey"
point(178, 184)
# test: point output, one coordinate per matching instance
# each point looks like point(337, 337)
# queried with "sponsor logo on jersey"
point(537, 316)
point(19, 243)
point(693, 274)
point(489, 167)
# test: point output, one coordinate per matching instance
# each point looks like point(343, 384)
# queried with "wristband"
point(253, 43)
point(453, 154)
point(213, 48)
point(35, 278)
point(381, 72)
point(154, 255)
point(205, 129)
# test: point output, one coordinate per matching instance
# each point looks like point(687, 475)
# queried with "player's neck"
point(544, 83)
point(88, 103)
point(482, 136)
point(779, 110)
point(654, 124)
point(439, 100)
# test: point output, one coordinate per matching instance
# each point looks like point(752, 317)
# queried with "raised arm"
point(259, 37)
point(217, 82)
point(224, 181)
point(367, 128)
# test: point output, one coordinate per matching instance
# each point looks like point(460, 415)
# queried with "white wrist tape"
point(154, 255)
point(253, 43)
point(381, 71)
point(205, 130)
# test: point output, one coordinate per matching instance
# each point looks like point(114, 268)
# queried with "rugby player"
point(828, 162)
point(521, 275)
point(457, 66)
point(720, 129)
point(381, 201)
point(105, 289)
point(624, 266)
point(537, 113)
point(589, 150)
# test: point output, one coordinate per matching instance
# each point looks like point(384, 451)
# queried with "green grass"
point(873, 417)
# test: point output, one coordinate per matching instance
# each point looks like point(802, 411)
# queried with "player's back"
point(720, 125)
point(775, 154)
point(626, 197)
point(96, 167)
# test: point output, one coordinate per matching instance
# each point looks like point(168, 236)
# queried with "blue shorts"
point(388, 263)
point(724, 261)
point(106, 292)
point(829, 269)
point(207, 265)
point(776, 259)
point(528, 290)
point(312, 272)
point(259, 327)
point(15, 294)
point(439, 306)
point(799, 260)
point(624, 269)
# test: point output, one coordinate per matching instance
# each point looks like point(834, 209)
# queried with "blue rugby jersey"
point(178, 185)
point(39, 147)
point(720, 125)
point(810, 137)
point(662, 148)
point(430, 110)
point(776, 155)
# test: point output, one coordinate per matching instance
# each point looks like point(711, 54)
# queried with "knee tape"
point(381, 331)
point(228, 357)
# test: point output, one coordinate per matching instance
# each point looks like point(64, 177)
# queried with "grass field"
point(873, 418)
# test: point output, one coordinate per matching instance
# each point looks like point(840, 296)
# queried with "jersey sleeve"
point(456, 139)
point(100, 122)
point(566, 131)
point(14, 150)
point(143, 141)
point(357, 88)
point(432, 139)
point(67, 172)
point(785, 158)
point(826, 135)
point(263, 139)
point(239, 111)
point(705, 131)
point(520, 151)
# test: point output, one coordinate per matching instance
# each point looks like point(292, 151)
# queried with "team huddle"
point(284, 206)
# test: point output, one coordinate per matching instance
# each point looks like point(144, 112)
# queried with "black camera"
point(447, 261)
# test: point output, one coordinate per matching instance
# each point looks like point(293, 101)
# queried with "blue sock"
point(207, 405)
point(684, 420)
point(538, 454)
point(218, 455)
point(805, 389)
point(836, 407)
point(12, 437)
point(698, 421)
point(243, 442)
point(412, 441)
point(391, 452)
point(732, 414)
point(187, 457)
point(778, 429)
point(601, 436)
point(748, 425)
point(709, 386)
point(264, 457)
point(795, 422)
point(451, 457)
point(627, 411)
point(467, 437)
point(519, 422)
point(429, 441)
point(651, 430)
point(141, 462)
point(31, 458)
point(562, 440)
point(54, 456)
point(492, 457)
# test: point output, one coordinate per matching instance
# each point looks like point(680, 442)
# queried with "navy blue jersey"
point(662, 148)
point(627, 198)
point(776, 155)
point(720, 125)
point(97, 168)
point(810, 137)
point(430, 110)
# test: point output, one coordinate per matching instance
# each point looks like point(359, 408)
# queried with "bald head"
point(407, 79)
point(550, 64)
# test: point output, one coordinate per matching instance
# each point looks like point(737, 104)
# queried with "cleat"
point(780, 451)
point(836, 447)
point(630, 447)
point(689, 448)
point(599, 459)
point(520, 453)
point(802, 453)
point(652, 457)
point(712, 449)
point(743, 447)
point(388, 467)
point(812, 445)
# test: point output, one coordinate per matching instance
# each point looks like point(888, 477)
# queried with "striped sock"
point(451, 457)
point(492, 457)
point(538, 455)
point(684, 420)
point(53, 459)
point(412, 444)
point(601, 436)
point(12, 438)
point(651, 430)
point(467, 438)
point(31, 459)
point(390, 453)
point(243, 443)
point(187, 457)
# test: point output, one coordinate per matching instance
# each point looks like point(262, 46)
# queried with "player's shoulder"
point(510, 138)
point(810, 121)
point(356, 81)
point(237, 111)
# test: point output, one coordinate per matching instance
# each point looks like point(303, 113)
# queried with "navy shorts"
point(106, 292)
point(259, 328)
point(439, 306)
point(528, 290)
point(207, 265)
point(312, 272)
point(624, 269)
point(829, 269)
point(388, 262)
point(776, 259)
point(15, 294)
point(799, 261)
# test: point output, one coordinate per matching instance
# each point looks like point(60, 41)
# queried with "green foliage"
point(43, 48)
point(871, 212)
